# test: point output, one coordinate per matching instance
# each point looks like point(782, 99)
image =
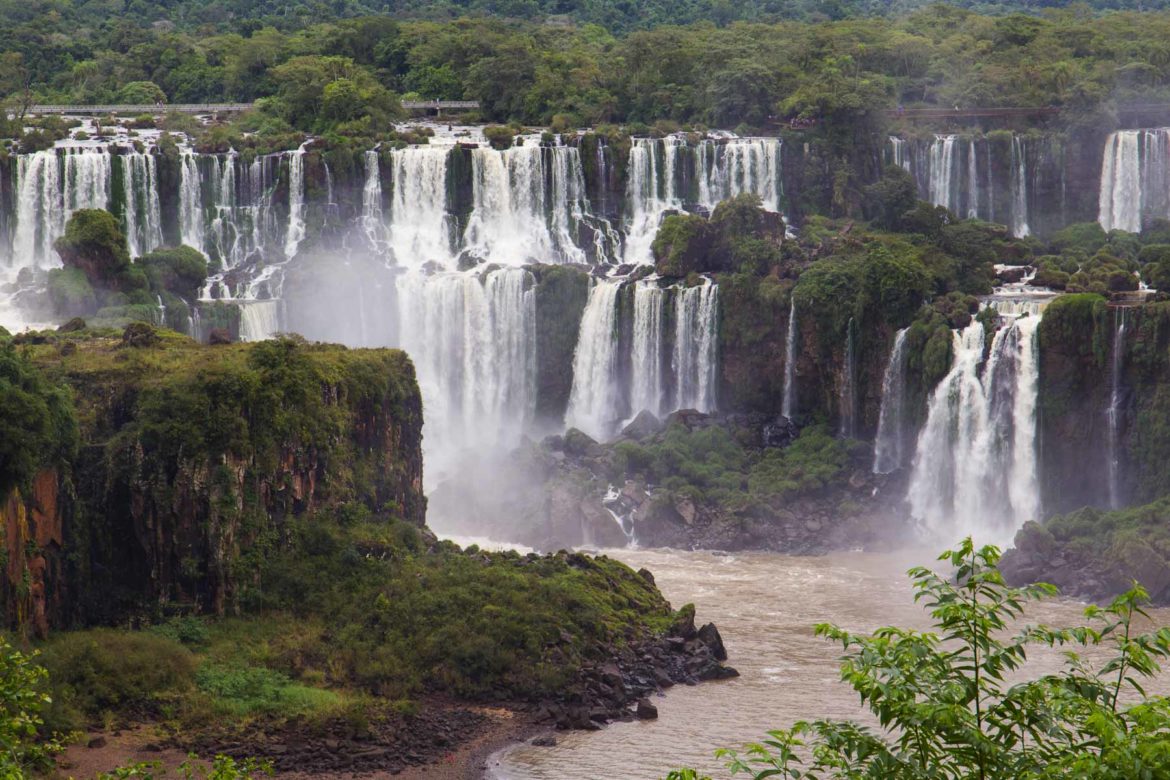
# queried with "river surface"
point(765, 606)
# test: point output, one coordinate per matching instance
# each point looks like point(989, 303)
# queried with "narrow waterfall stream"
point(890, 443)
point(788, 402)
point(1114, 412)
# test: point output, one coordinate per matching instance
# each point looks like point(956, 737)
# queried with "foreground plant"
point(948, 710)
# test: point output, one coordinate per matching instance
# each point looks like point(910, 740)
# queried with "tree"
point(145, 93)
point(318, 92)
point(94, 242)
point(947, 710)
point(37, 425)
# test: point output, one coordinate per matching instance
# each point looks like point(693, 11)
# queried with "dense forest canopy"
point(715, 71)
point(619, 16)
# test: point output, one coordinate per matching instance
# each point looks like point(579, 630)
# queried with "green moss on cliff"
point(38, 428)
point(202, 454)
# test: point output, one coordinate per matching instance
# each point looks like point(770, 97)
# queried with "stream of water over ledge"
point(765, 606)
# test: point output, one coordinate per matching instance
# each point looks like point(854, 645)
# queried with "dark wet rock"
point(780, 432)
point(709, 635)
point(645, 710)
point(546, 740)
point(219, 336)
point(643, 426)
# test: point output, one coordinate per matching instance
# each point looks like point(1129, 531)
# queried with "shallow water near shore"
point(765, 606)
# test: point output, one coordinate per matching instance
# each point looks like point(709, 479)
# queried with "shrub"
point(106, 671)
point(950, 703)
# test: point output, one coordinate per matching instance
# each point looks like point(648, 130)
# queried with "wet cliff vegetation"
point(255, 514)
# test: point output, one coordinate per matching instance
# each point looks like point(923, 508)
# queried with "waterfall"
point(696, 346)
point(1019, 225)
point(50, 186)
point(653, 188)
point(974, 469)
point(296, 201)
point(1135, 182)
point(848, 386)
point(142, 215)
point(942, 170)
point(594, 398)
point(898, 152)
point(1113, 413)
point(259, 320)
point(737, 166)
point(191, 226)
point(972, 181)
point(372, 202)
point(647, 391)
point(226, 209)
point(472, 338)
point(420, 230)
point(891, 434)
point(788, 404)
point(521, 215)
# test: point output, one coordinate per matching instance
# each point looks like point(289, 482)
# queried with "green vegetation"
point(951, 704)
point(38, 427)
point(355, 614)
point(709, 464)
point(620, 62)
point(739, 236)
point(100, 280)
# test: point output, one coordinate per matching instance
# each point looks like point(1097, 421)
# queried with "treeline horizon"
point(347, 75)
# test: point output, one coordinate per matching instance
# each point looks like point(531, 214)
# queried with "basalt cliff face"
point(192, 463)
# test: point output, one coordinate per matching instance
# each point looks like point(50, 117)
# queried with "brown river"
point(765, 606)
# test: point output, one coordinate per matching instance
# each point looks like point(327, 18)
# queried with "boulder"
point(709, 635)
point(643, 426)
point(72, 326)
point(645, 710)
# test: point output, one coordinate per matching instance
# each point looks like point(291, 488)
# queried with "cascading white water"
point(520, 214)
point(50, 186)
point(942, 172)
point(1113, 413)
point(1135, 182)
point(143, 216)
point(372, 224)
point(788, 403)
point(240, 218)
point(1019, 224)
point(848, 429)
point(259, 320)
point(296, 201)
point(647, 391)
point(974, 470)
point(653, 188)
point(594, 400)
point(472, 338)
point(890, 443)
point(898, 152)
point(420, 229)
point(972, 181)
point(736, 166)
point(191, 225)
point(696, 347)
